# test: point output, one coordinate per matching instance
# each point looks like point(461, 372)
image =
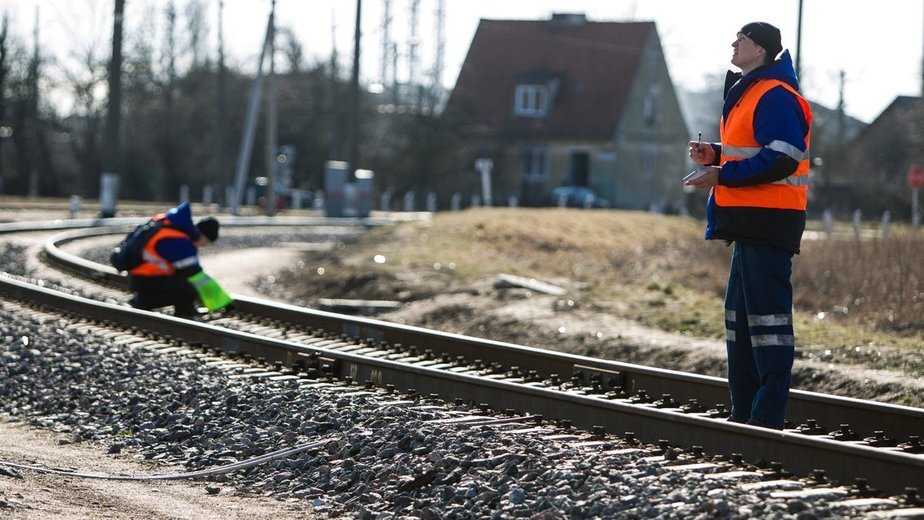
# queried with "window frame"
point(531, 100)
point(534, 164)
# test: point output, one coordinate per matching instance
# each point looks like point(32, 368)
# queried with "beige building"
point(572, 102)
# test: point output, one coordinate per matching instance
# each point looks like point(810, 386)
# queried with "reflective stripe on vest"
point(154, 264)
point(738, 142)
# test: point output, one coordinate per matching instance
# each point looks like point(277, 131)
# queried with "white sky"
point(879, 47)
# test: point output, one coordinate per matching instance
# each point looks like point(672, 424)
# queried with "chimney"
point(568, 19)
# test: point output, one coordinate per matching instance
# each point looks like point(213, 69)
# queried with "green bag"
point(212, 295)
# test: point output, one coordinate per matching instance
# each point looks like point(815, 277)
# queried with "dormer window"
point(531, 101)
point(535, 92)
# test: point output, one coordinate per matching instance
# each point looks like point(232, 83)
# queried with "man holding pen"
point(758, 180)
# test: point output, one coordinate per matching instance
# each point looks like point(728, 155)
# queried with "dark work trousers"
point(153, 292)
point(759, 334)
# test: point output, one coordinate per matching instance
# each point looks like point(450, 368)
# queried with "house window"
point(535, 163)
point(531, 101)
point(534, 175)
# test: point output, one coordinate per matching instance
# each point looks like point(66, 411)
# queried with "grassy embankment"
point(849, 295)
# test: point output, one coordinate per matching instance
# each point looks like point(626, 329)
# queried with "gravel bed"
point(382, 460)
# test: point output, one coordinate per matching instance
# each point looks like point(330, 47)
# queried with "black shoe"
point(187, 314)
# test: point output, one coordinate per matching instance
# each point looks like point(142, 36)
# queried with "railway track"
point(834, 439)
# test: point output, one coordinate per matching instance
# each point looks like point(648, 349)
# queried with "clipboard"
point(696, 174)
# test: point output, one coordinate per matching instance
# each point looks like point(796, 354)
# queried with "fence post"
point(74, 207)
point(409, 201)
point(827, 222)
point(857, 215)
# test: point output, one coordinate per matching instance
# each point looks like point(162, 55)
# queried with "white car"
point(577, 197)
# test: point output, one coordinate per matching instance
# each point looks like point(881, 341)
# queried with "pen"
point(699, 139)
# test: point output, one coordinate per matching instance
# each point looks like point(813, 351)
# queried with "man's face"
point(747, 55)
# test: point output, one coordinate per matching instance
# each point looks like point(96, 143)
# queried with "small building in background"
point(573, 102)
point(876, 162)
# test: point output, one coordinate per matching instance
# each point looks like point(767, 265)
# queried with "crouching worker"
point(170, 273)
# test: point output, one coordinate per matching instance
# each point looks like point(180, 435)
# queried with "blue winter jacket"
point(778, 117)
point(181, 252)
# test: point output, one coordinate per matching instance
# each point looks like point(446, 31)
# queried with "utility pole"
point(413, 44)
point(250, 125)
point(222, 102)
point(354, 93)
point(386, 42)
point(109, 180)
point(333, 150)
point(272, 147)
point(799, 44)
point(839, 135)
point(4, 130)
point(171, 178)
point(33, 114)
point(436, 87)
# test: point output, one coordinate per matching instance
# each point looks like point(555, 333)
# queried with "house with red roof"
point(572, 102)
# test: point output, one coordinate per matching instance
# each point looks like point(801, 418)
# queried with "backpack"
point(128, 254)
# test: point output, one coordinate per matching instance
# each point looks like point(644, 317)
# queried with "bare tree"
point(22, 85)
point(292, 49)
point(83, 70)
point(32, 121)
point(166, 143)
point(197, 29)
point(142, 108)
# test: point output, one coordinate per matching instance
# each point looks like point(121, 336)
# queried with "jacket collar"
point(736, 83)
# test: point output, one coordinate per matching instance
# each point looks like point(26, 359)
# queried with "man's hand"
point(708, 180)
point(702, 153)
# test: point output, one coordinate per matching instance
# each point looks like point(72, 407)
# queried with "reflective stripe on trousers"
point(759, 333)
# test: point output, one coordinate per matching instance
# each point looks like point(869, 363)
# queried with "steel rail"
point(890, 471)
point(864, 417)
point(62, 224)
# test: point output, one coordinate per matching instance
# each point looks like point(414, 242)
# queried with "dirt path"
point(34, 495)
point(236, 270)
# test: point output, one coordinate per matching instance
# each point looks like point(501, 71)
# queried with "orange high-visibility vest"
point(738, 142)
point(154, 264)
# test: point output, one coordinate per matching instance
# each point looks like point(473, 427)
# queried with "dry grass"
point(874, 282)
point(658, 270)
point(598, 247)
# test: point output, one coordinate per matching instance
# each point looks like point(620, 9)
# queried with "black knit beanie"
point(209, 228)
point(765, 35)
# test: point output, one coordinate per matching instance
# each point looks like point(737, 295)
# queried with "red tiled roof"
point(596, 62)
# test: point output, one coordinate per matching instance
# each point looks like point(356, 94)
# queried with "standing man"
point(758, 180)
point(170, 273)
